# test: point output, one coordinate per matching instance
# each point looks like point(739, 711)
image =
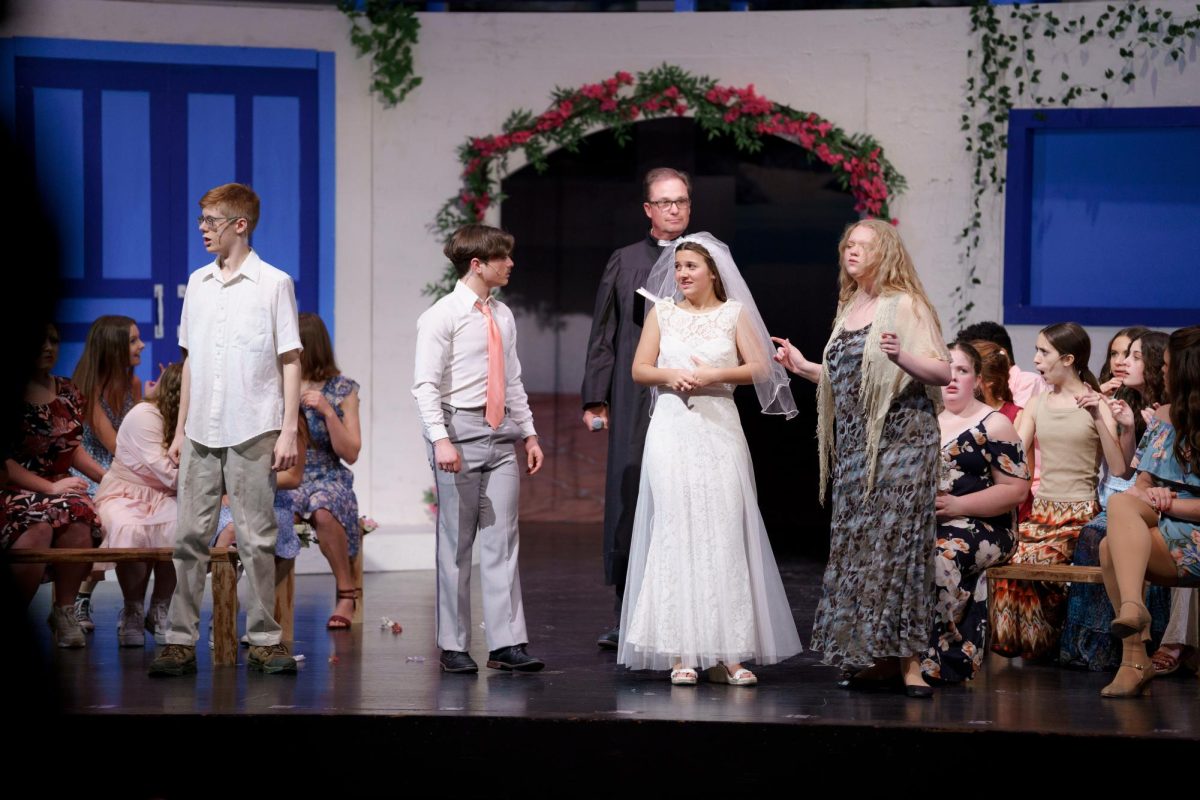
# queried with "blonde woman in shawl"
point(877, 430)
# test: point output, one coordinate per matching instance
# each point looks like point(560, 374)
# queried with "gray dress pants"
point(480, 500)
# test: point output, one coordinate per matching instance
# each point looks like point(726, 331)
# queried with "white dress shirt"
point(452, 364)
point(234, 331)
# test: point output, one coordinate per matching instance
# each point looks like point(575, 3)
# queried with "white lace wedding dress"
point(703, 586)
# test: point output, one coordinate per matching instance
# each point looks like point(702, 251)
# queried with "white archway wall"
point(898, 74)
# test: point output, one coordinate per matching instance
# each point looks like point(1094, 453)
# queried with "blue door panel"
point(125, 146)
point(57, 123)
point(124, 150)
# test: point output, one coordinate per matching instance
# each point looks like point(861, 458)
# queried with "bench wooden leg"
point(356, 572)
point(285, 598)
point(991, 610)
point(224, 617)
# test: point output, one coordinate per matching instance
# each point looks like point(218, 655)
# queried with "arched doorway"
point(781, 216)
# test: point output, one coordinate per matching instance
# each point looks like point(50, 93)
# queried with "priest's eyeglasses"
point(662, 205)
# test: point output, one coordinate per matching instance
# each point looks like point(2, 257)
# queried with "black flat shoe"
point(456, 661)
point(609, 639)
point(514, 658)
point(918, 691)
point(857, 684)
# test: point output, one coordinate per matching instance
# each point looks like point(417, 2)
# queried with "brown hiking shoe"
point(174, 659)
point(271, 658)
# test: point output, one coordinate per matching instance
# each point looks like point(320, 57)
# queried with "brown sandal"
point(337, 622)
point(1167, 663)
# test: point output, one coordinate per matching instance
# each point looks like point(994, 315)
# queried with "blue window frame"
point(1102, 215)
point(126, 137)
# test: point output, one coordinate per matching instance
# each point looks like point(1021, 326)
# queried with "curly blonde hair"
point(890, 264)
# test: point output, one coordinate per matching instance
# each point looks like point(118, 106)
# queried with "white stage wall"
point(898, 74)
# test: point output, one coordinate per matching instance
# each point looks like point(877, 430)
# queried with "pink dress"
point(136, 499)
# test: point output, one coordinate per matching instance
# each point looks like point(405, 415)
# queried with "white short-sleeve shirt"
point(234, 332)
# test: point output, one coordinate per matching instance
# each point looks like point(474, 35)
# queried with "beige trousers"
point(244, 473)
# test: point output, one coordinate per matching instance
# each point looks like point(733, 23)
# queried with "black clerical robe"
point(608, 378)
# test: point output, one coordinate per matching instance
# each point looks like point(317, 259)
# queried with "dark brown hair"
point(1131, 333)
point(664, 174)
point(968, 350)
point(1070, 339)
point(477, 241)
point(1153, 344)
point(316, 359)
point(1183, 387)
point(104, 369)
point(234, 200)
point(994, 370)
point(718, 287)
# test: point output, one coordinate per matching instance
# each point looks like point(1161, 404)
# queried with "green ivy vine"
point(387, 31)
point(1006, 72)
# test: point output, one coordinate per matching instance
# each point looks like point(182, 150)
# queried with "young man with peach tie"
point(473, 407)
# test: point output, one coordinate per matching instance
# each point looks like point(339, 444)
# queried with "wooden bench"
point(224, 585)
point(1055, 573)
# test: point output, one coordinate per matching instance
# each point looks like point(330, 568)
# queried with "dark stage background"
point(782, 217)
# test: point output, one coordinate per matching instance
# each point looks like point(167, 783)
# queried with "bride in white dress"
point(703, 589)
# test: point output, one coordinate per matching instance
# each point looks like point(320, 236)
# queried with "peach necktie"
point(494, 413)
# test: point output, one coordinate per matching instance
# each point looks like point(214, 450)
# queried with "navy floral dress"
point(876, 590)
point(51, 432)
point(328, 483)
point(966, 546)
point(94, 447)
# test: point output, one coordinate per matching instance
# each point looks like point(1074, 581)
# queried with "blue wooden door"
point(123, 150)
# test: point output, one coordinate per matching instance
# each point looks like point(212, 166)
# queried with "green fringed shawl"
point(882, 380)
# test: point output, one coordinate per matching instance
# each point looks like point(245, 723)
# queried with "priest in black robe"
point(611, 400)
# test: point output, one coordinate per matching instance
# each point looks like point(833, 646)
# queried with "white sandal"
point(684, 676)
point(739, 677)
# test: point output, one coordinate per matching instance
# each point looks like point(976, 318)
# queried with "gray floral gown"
point(878, 583)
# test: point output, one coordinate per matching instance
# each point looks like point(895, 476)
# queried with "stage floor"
point(371, 671)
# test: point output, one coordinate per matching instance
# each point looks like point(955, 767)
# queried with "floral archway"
point(857, 160)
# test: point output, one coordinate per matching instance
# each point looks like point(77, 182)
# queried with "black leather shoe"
point(458, 661)
point(609, 639)
point(514, 657)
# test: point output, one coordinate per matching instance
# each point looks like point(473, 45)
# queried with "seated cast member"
point(984, 478)
point(467, 384)
point(136, 503)
point(1154, 528)
point(40, 504)
point(1075, 430)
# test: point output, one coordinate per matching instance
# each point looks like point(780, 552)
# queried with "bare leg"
point(226, 537)
point(133, 578)
point(1136, 549)
point(28, 577)
point(910, 669)
point(68, 577)
point(164, 582)
point(331, 538)
point(1133, 550)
